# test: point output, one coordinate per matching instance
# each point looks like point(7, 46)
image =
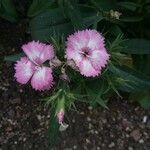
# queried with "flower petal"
point(24, 70)
point(87, 69)
point(47, 53)
point(42, 79)
point(96, 40)
point(99, 59)
point(71, 54)
point(38, 52)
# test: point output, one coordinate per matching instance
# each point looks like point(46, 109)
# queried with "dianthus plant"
point(71, 70)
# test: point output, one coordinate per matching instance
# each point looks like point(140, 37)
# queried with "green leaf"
point(116, 30)
point(95, 89)
point(74, 14)
point(131, 19)
point(137, 46)
point(13, 57)
point(48, 23)
point(39, 6)
point(53, 22)
point(8, 11)
point(132, 80)
point(129, 5)
point(104, 5)
point(143, 98)
point(145, 101)
point(53, 130)
point(91, 20)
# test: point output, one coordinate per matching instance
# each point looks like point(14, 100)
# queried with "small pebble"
point(141, 141)
point(104, 121)
point(127, 129)
point(92, 131)
point(88, 119)
point(24, 139)
point(73, 120)
point(112, 144)
point(98, 148)
point(39, 117)
point(127, 135)
point(90, 107)
point(145, 119)
point(82, 113)
point(136, 134)
point(88, 141)
point(74, 147)
point(90, 126)
point(130, 148)
point(15, 142)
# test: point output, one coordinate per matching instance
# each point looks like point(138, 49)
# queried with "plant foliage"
point(126, 29)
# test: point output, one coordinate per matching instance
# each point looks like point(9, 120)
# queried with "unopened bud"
point(60, 116)
point(115, 14)
point(64, 77)
point(72, 64)
point(55, 62)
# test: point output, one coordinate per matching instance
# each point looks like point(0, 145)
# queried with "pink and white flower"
point(87, 49)
point(32, 68)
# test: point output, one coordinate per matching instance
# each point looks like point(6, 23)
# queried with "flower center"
point(85, 52)
point(38, 67)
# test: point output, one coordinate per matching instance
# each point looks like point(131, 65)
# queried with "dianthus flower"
point(87, 49)
point(32, 67)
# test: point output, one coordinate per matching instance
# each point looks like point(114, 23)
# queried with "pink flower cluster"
point(85, 48)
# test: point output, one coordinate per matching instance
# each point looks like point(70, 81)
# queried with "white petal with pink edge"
point(38, 52)
point(42, 79)
point(47, 53)
point(87, 69)
point(99, 59)
point(24, 69)
point(33, 50)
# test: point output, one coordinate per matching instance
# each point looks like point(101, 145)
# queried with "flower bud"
point(60, 116)
point(55, 62)
point(72, 64)
point(115, 14)
point(64, 76)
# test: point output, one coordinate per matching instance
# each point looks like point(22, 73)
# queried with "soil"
point(24, 121)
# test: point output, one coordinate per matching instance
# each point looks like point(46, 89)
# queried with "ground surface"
point(24, 121)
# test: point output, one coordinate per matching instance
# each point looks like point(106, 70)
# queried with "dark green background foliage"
point(127, 41)
point(54, 20)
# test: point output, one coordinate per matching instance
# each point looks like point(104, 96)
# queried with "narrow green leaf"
point(131, 19)
point(74, 14)
point(145, 101)
point(95, 89)
point(133, 80)
point(39, 6)
point(143, 98)
point(46, 24)
point(136, 46)
point(104, 5)
point(115, 30)
point(129, 5)
point(8, 11)
point(53, 21)
point(53, 130)
point(13, 57)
